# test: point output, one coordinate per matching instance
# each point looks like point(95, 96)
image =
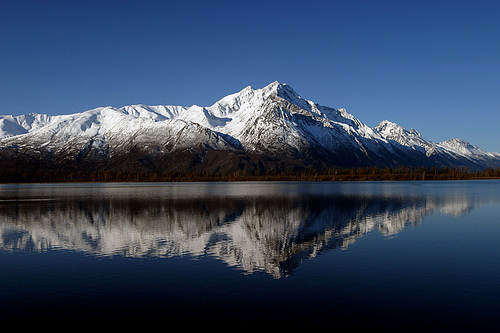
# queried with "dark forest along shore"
point(330, 174)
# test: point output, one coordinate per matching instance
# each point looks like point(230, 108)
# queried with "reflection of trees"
point(259, 233)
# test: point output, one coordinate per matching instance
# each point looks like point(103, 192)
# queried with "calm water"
point(374, 254)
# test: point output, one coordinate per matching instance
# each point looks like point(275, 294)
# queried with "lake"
point(351, 254)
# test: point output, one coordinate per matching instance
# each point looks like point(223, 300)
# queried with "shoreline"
point(242, 179)
point(332, 174)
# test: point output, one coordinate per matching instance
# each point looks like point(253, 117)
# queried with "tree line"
point(330, 174)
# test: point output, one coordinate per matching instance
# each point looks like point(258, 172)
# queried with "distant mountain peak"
point(286, 91)
point(391, 130)
point(388, 125)
point(462, 147)
point(458, 143)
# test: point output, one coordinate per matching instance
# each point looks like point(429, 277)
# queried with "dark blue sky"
point(432, 65)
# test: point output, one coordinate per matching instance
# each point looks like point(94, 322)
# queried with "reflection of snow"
point(272, 234)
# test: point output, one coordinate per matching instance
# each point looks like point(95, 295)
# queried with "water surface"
point(374, 254)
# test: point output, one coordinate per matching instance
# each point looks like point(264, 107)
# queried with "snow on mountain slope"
point(16, 125)
point(461, 147)
point(459, 152)
point(109, 138)
point(275, 117)
point(258, 118)
point(273, 122)
point(465, 150)
point(410, 138)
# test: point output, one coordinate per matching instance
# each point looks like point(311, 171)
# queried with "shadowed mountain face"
point(252, 231)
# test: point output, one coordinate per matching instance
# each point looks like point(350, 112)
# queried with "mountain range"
point(254, 130)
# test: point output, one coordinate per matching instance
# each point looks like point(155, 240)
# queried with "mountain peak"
point(388, 128)
point(466, 149)
point(457, 142)
point(285, 91)
point(386, 125)
point(460, 145)
point(251, 96)
point(278, 87)
point(271, 88)
point(273, 85)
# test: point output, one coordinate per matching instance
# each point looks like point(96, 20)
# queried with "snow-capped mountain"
point(252, 130)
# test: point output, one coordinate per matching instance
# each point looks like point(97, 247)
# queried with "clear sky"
point(431, 65)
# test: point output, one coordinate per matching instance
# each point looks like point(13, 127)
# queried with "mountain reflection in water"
point(251, 231)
